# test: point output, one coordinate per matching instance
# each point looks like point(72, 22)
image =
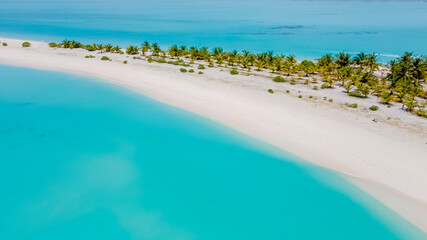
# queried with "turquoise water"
point(307, 29)
point(81, 159)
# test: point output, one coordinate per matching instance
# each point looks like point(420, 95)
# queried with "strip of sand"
point(388, 159)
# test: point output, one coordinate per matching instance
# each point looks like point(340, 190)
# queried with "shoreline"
point(385, 159)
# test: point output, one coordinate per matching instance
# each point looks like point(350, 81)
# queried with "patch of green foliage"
point(373, 108)
point(191, 70)
point(270, 91)
point(234, 72)
point(279, 79)
point(352, 105)
point(52, 45)
point(200, 72)
point(201, 66)
point(26, 44)
point(183, 70)
point(105, 58)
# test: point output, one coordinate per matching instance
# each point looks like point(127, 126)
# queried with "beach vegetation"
point(183, 70)
point(89, 56)
point(351, 105)
point(234, 72)
point(315, 88)
point(279, 79)
point(132, 50)
point(270, 91)
point(105, 58)
point(26, 44)
point(4, 44)
point(53, 45)
point(125, 62)
point(201, 66)
point(191, 71)
point(200, 72)
point(373, 108)
point(150, 60)
point(299, 96)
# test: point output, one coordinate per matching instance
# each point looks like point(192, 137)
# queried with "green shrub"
point(186, 65)
point(125, 62)
point(26, 44)
point(4, 44)
point(373, 108)
point(105, 58)
point(293, 82)
point(191, 70)
point(356, 94)
point(388, 106)
point(201, 66)
point(421, 112)
point(200, 72)
point(279, 79)
point(287, 91)
point(52, 45)
point(270, 91)
point(132, 50)
point(89, 56)
point(150, 60)
point(161, 60)
point(210, 65)
point(183, 70)
point(324, 98)
point(90, 48)
point(234, 72)
point(331, 100)
point(316, 88)
point(388, 118)
point(353, 105)
point(300, 96)
point(310, 96)
point(325, 85)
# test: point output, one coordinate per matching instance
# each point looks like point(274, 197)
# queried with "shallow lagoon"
point(82, 160)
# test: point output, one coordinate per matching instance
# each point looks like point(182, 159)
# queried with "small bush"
point(125, 62)
point(234, 72)
point(210, 65)
point(324, 98)
point(331, 100)
point(200, 72)
point(150, 60)
point(287, 91)
point(388, 106)
point(353, 105)
point(52, 45)
point(183, 70)
point(89, 56)
point(191, 70)
point(90, 48)
point(293, 82)
point(201, 66)
point(356, 94)
point(279, 79)
point(421, 112)
point(26, 44)
point(316, 88)
point(310, 96)
point(4, 44)
point(373, 108)
point(300, 96)
point(388, 118)
point(161, 60)
point(325, 85)
point(270, 91)
point(105, 58)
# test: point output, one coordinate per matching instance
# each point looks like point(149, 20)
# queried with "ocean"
point(82, 159)
point(307, 29)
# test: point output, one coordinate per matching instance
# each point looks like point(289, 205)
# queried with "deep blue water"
point(307, 29)
point(81, 159)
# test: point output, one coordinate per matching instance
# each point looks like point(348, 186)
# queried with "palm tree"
point(360, 59)
point(156, 49)
point(348, 86)
point(145, 47)
point(342, 60)
point(173, 51)
point(132, 50)
point(372, 62)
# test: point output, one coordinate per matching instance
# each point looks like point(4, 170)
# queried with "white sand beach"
point(388, 158)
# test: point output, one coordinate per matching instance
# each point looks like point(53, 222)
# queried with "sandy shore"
point(388, 159)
